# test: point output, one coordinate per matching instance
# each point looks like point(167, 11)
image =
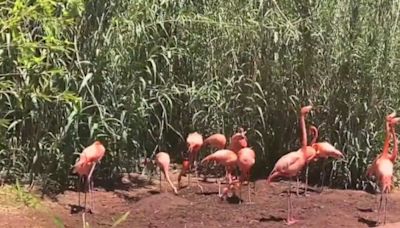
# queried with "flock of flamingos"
point(238, 154)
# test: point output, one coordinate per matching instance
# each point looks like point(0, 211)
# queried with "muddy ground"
point(148, 207)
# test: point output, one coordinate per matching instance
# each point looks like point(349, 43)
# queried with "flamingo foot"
point(291, 221)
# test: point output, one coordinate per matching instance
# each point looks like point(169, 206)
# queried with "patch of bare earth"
point(149, 208)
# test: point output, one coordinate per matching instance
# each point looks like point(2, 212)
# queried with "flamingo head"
point(394, 121)
point(240, 139)
point(305, 109)
point(390, 116)
point(325, 149)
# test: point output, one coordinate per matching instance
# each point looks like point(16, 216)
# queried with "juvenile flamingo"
point(292, 163)
point(225, 157)
point(84, 167)
point(162, 160)
point(246, 160)
point(382, 166)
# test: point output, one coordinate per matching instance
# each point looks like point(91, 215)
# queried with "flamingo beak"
point(395, 120)
point(306, 109)
point(391, 115)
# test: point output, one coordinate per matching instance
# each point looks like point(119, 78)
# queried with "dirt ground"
point(148, 207)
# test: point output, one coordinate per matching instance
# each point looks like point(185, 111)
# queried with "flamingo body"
point(216, 140)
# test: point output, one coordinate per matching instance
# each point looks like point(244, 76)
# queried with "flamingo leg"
point(380, 207)
point(384, 207)
point(306, 185)
point(290, 219)
point(90, 186)
point(160, 180)
point(297, 186)
point(79, 191)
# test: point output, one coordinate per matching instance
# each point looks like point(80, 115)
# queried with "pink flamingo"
point(382, 166)
point(225, 157)
point(324, 151)
point(238, 141)
point(84, 167)
point(292, 163)
point(217, 141)
point(184, 171)
point(194, 143)
point(246, 160)
point(162, 160)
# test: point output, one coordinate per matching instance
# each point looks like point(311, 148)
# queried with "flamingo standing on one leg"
point(225, 157)
point(88, 159)
point(382, 166)
point(162, 160)
point(292, 163)
point(246, 160)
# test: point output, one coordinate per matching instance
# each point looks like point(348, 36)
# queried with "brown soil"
point(149, 208)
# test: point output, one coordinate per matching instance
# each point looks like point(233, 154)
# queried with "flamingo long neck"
point(395, 146)
point(304, 132)
point(387, 142)
point(315, 133)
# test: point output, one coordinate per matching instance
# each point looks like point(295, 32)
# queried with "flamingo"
point(194, 143)
point(162, 160)
point(185, 171)
point(292, 163)
point(238, 141)
point(324, 151)
point(246, 160)
point(227, 158)
point(84, 167)
point(382, 167)
point(215, 140)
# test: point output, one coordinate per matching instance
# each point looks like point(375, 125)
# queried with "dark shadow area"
point(365, 209)
point(234, 200)
point(271, 218)
point(369, 223)
point(74, 209)
point(207, 193)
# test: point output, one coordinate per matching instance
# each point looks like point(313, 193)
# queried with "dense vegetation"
point(140, 75)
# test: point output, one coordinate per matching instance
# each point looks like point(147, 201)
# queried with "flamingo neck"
point(395, 146)
point(315, 133)
point(304, 132)
point(387, 142)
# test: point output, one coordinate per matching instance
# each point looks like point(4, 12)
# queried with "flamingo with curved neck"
point(292, 163)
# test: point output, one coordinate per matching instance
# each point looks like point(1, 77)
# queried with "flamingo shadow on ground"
point(154, 192)
point(369, 223)
point(75, 208)
point(271, 218)
point(207, 193)
point(234, 200)
point(365, 209)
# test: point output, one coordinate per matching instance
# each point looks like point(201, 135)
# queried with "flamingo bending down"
point(84, 167)
point(324, 151)
point(292, 163)
point(382, 166)
point(225, 157)
point(194, 143)
point(246, 160)
point(162, 160)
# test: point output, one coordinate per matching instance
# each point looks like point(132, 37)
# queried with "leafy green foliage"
point(140, 75)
